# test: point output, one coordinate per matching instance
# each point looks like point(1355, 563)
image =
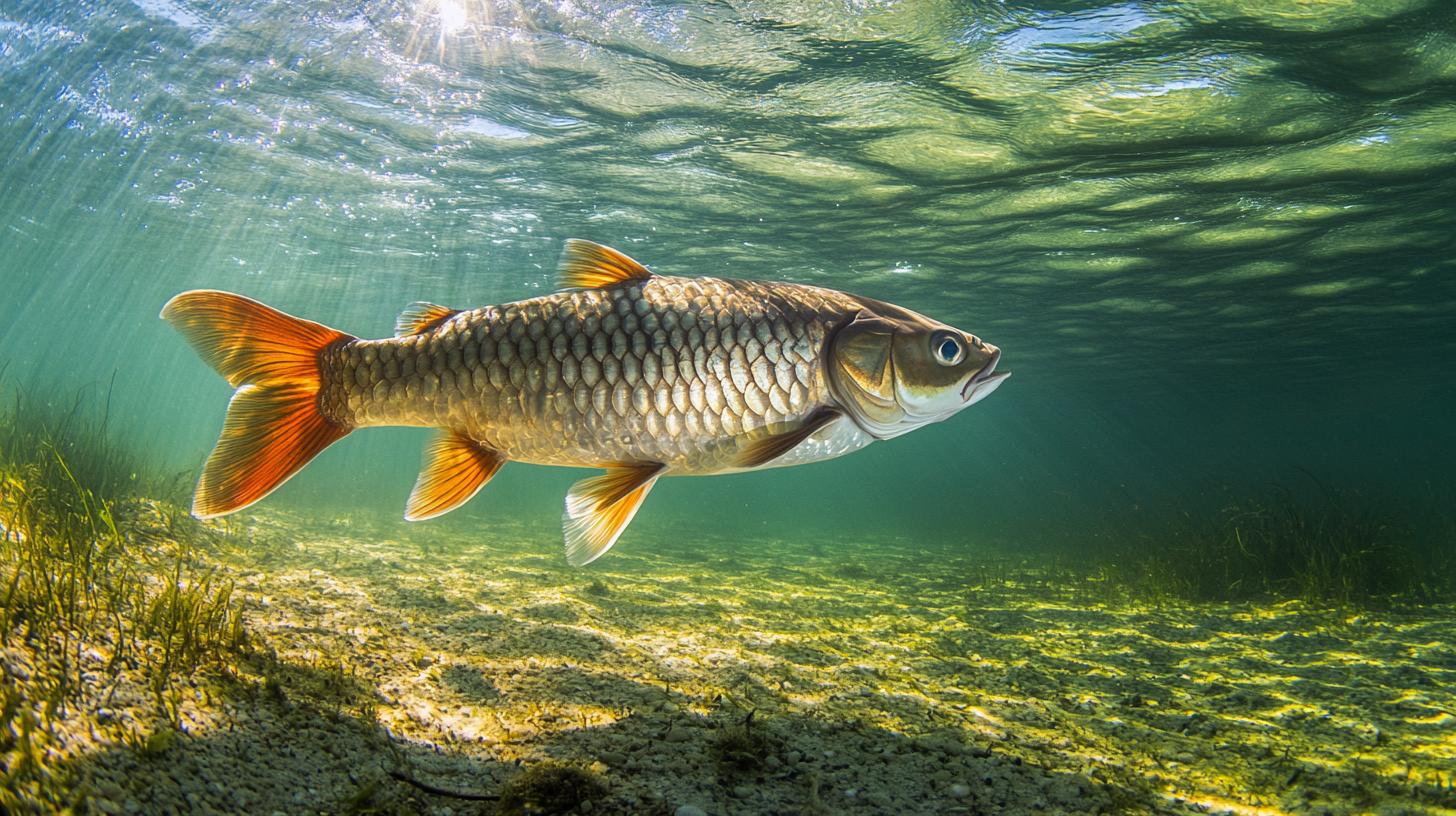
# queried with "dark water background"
point(1214, 239)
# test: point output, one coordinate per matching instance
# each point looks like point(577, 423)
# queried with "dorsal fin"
point(420, 317)
point(586, 265)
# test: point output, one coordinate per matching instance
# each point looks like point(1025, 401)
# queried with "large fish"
point(641, 374)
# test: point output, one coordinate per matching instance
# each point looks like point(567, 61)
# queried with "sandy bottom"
point(886, 679)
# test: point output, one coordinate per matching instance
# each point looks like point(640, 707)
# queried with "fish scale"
point(666, 370)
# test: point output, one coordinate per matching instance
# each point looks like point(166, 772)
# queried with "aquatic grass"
point(79, 430)
point(93, 577)
point(742, 748)
point(1325, 546)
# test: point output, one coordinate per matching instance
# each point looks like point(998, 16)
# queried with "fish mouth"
point(986, 376)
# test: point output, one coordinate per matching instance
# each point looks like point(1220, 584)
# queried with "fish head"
point(895, 370)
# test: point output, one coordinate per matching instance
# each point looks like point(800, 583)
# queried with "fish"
point(638, 374)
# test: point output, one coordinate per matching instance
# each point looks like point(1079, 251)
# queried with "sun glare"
point(452, 16)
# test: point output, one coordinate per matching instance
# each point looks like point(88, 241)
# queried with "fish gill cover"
point(1213, 238)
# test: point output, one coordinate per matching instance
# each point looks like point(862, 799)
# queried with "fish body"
point(684, 372)
point(644, 375)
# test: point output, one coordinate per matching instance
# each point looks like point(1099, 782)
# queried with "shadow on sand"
point(307, 740)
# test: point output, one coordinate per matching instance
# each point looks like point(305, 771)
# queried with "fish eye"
point(946, 348)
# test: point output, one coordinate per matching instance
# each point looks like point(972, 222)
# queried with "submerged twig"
point(428, 788)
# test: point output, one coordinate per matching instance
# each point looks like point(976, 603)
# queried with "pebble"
point(689, 810)
point(959, 790)
point(743, 791)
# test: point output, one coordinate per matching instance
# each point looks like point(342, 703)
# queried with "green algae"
point(549, 789)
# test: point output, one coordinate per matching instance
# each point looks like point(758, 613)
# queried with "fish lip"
point(985, 375)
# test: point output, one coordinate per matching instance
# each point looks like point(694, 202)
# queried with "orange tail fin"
point(274, 425)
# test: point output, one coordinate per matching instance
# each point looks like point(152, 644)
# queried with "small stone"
point(793, 757)
point(743, 791)
point(689, 810)
point(959, 790)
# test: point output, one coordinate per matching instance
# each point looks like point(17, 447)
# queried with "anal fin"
point(765, 450)
point(599, 508)
point(455, 468)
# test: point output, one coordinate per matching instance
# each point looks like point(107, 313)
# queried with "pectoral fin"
point(598, 509)
point(455, 468)
point(765, 450)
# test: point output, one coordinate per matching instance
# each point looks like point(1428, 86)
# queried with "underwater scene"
point(361, 364)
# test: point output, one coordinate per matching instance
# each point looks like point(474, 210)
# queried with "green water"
point(1214, 239)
